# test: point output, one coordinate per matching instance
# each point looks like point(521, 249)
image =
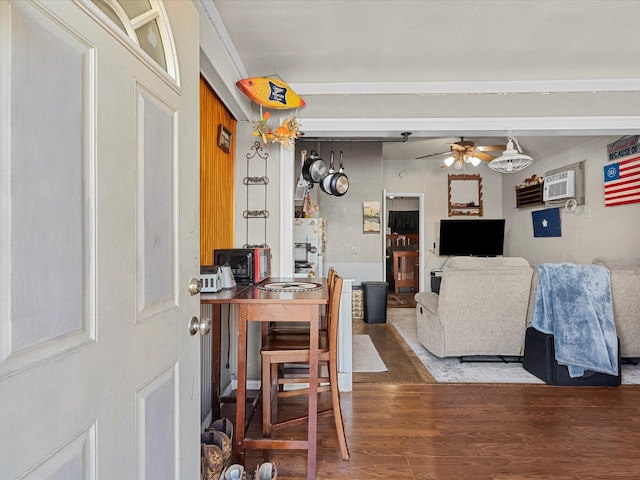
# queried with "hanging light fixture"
point(458, 160)
point(511, 160)
point(475, 161)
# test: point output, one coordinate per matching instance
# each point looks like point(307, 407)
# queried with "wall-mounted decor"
point(465, 195)
point(270, 92)
point(546, 223)
point(621, 179)
point(224, 138)
point(529, 193)
point(371, 217)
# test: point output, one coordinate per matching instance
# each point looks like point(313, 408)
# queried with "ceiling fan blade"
point(486, 157)
point(432, 155)
point(491, 148)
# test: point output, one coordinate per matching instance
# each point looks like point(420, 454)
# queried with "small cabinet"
point(529, 195)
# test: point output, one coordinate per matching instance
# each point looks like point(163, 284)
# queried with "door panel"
point(99, 377)
point(47, 235)
point(156, 227)
point(75, 459)
point(156, 426)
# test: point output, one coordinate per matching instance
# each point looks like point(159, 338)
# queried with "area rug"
point(451, 370)
point(365, 355)
point(394, 300)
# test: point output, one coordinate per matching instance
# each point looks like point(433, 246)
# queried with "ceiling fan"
point(466, 151)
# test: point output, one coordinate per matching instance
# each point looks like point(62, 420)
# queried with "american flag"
point(622, 182)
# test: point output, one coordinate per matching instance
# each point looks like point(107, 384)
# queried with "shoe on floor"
point(234, 472)
point(266, 471)
point(213, 437)
point(212, 461)
point(223, 425)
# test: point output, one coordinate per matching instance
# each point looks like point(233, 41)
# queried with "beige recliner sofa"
point(625, 295)
point(481, 308)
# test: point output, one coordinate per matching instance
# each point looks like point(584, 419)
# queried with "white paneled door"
point(99, 238)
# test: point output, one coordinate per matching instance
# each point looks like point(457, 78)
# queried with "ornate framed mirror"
point(465, 195)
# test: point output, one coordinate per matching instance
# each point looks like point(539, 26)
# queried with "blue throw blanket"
point(573, 303)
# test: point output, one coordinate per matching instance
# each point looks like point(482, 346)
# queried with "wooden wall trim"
point(217, 172)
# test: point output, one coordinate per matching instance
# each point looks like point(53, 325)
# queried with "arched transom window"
point(145, 23)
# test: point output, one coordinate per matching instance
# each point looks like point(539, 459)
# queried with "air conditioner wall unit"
point(559, 185)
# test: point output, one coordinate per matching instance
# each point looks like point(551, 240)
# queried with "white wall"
point(252, 197)
point(593, 230)
point(252, 231)
point(369, 175)
point(426, 176)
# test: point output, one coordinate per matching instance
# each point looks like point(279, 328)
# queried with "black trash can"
point(374, 299)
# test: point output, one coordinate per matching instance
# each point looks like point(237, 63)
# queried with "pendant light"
point(511, 160)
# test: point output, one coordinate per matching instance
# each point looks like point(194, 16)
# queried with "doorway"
point(404, 202)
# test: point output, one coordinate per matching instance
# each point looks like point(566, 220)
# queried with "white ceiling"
point(327, 41)
point(441, 55)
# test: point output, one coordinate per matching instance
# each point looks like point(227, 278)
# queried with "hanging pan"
point(339, 183)
point(325, 184)
point(314, 169)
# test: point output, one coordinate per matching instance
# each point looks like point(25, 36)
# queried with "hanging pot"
point(314, 169)
point(325, 184)
point(339, 183)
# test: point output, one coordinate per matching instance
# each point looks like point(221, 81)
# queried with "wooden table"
point(218, 299)
point(257, 305)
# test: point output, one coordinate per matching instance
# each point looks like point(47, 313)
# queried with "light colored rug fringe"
point(451, 370)
point(365, 355)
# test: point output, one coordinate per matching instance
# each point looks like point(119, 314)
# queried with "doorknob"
point(195, 285)
point(195, 326)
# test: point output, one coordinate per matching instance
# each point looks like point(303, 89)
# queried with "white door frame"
point(420, 197)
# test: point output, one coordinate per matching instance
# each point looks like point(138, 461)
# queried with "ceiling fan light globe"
point(449, 161)
point(475, 161)
point(457, 165)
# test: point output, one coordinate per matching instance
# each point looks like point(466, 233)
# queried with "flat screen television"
point(479, 238)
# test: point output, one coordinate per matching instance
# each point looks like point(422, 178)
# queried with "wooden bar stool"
point(296, 327)
point(293, 348)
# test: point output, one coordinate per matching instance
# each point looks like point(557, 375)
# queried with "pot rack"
point(404, 137)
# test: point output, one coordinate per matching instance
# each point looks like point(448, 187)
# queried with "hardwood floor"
point(497, 432)
point(402, 364)
point(420, 430)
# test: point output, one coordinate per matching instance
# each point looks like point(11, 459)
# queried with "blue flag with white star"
point(546, 223)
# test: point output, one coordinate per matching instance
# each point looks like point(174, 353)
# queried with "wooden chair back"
point(404, 263)
point(333, 315)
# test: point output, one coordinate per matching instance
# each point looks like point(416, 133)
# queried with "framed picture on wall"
point(224, 138)
point(371, 217)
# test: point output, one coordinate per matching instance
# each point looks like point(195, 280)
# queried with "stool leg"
point(274, 392)
point(267, 389)
point(337, 411)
